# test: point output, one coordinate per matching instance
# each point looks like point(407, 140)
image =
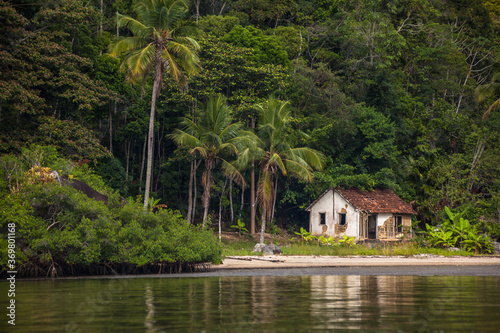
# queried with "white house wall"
point(332, 204)
point(381, 218)
point(323, 205)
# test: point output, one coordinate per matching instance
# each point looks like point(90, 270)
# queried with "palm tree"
point(491, 89)
point(211, 138)
point(278, 154)
point(162, 42)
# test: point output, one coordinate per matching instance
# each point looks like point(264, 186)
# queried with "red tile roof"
point(376, 201)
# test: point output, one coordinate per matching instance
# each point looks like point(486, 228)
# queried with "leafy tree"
point(491, 89)
point(265, 12)
point(278, 154)
point(212, 137)
point(265, 49)
point(162, 40)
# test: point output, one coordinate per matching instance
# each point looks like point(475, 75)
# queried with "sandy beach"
point(280, 261)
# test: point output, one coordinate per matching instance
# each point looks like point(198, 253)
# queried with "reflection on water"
point(259, 303)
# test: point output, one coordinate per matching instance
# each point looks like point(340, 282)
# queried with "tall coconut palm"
point(277, 154)
point(162, 42)
point(491, 89)
point(211, 138)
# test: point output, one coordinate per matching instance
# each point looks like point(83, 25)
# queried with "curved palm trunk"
point(252, 191)
point(206, 194)
point(263, 227)
point(252, 200)
point(190, 193)
point(156, 92)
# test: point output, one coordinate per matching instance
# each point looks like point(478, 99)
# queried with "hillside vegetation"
point(310, 94)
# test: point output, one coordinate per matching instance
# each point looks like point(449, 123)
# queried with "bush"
point(59, 229)
point(457, 231)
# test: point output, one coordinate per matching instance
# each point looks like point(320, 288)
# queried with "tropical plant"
point(212, 137)
point(440, 238)
point(473, 241)
point(491, 89)
point(241, 227)
point(457, 231)
point(459, 226)
point(326, 241)
point(347, 241)
point(306, 235)
point(278, 154)
point(162, 41)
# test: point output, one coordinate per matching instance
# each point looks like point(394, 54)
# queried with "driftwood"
point(254, 258)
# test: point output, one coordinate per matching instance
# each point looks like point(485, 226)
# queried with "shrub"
point(457, 231)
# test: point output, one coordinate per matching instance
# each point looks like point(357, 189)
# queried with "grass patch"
point(240, 247)
point(244, 247)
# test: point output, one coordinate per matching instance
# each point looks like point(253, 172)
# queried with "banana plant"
point(440, 237)
point(326, 241)
point(477, 243)
point(306, 235)
point(241, 228)
point(347, 241)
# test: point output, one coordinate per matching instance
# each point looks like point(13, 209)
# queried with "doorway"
point(372, 226)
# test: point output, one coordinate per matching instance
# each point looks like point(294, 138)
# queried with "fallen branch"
point(254, 258)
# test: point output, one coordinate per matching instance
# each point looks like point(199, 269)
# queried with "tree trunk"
point(156, 92)
point(127, 156)
point(220, 208)
point(231, 199)
point(197, 6)
point(263, 227)
point(275, 196)
point(111, 130)
point(192, 178)
point(190, 193)
point(242, 200)
point(206, 194)
point(102, 15)
point(252, 192)
point(195, 193)
point(142, 162)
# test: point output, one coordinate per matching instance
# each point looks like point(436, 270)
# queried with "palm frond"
point(265, 190)
point(171, 65)
point(138, 28)
point(299, 169)
point(126, 44)
point(276, 160)
point(138, 61)
point(228, 148)
point(493, 107)
point(312, 157)
point(200, 150)
point(232, 172)
point(184, 139)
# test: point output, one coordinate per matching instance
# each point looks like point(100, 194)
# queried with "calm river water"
point(258, 304)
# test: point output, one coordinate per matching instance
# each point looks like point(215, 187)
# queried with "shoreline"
point(301, 265)
point(284, 261)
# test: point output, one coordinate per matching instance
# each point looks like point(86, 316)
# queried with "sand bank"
point(280, 261)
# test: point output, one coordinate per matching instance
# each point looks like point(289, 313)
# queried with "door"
point(372, 226)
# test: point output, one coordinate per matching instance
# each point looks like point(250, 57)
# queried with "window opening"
point(342, 218)
point(322, 218)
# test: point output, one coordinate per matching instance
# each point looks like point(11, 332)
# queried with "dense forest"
point(363, 93)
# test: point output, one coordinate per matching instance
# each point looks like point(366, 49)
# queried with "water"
point(262, 303)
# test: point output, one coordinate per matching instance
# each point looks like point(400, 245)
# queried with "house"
point(379, 214)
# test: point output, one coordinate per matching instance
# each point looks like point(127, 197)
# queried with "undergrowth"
point(244, 247)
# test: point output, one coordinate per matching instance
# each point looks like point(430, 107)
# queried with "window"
point(342, 219)
point(322, 218)
point(398, 223)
